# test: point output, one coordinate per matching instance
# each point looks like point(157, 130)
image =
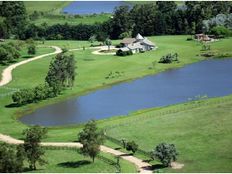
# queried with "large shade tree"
point(165, 152)
point(91, 138)
point(33, 150)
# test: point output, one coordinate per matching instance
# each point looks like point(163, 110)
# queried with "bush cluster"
point(61, 74)
point(124, 53)
point(8, 53)
point(32, 95)
point(169, 58)
point(115, 74)
point(31, 49)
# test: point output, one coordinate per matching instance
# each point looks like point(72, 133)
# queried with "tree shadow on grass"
point(27, 169)
point(127, 154)
point(12, 105)
point(117, 148)
point(158, 166)
point(74, 164)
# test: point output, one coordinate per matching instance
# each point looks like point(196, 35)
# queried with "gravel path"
point(7, 72)
point(142, 167)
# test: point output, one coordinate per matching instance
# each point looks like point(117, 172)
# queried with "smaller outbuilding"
point(203, 37)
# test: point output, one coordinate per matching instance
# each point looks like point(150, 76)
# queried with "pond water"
point(91, 7)
point(211, 77)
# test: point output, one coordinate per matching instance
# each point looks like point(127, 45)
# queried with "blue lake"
point(91, 7)
point(211, 77)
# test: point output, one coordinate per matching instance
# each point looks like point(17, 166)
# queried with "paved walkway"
point(7, 72)
point(142, 167)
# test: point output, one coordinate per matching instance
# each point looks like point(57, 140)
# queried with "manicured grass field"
point(192, 130)
point(202, 135)
point(53, 7)
point(68, 161)
point(24, 55)
point(72, 20)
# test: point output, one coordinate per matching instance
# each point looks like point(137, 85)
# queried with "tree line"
point(155, 18)
point(61, 74)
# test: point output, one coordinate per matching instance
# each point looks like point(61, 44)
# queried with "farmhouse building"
point(137, 44)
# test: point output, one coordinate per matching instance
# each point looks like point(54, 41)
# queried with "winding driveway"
point(142, 166)
point(7, 72)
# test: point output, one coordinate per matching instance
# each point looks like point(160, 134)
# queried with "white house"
point(137, 44)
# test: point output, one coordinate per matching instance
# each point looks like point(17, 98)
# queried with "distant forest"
point(155, 18)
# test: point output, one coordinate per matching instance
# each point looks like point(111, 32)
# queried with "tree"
point(92, 39)
point(131, 146)
point(166, 153)
point(124, 142)
point(101, 36)
point(40, 93)
point(108, 42)
point(193, 28)
point(8, 53)
point(120, 22)
point(32, 147)
point(31, 49)
point(91, 139)
point(3, 28)
point(11, 160)
point(125, 34)
point(15, 14)
point(61, 72)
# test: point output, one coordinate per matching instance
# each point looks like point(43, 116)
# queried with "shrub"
point(166, 153)
point(221, 31)
point(189, 39)
point(169, 58)
point(31, 49)
point(8, 53)
point(119, 45)
point(124, 53)
point(131, 146)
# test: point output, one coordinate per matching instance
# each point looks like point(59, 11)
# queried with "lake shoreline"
point(64, 98)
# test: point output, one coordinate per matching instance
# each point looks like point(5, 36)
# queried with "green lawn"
point(72, 20)
point(24, 55)
point(69, 161)
point(188, 129)
point(53, 7)
point(202, 135)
